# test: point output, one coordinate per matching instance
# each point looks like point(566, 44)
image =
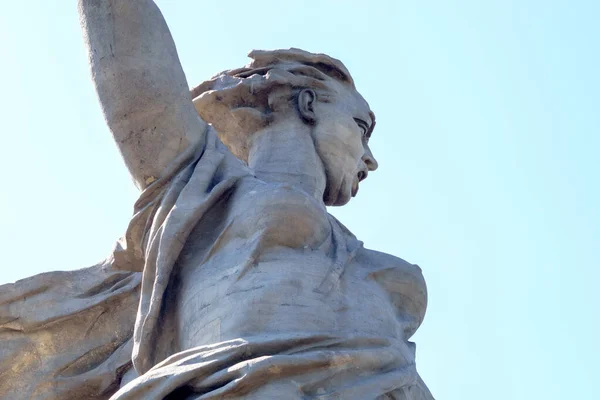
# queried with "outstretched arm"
point(141, 85)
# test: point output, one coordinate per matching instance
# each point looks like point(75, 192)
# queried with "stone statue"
point(232, 280)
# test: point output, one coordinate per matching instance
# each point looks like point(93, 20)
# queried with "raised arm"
point(141, 85)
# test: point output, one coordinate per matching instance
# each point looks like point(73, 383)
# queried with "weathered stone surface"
point(232, 280)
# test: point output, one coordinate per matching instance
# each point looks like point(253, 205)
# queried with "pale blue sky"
point(487, 138)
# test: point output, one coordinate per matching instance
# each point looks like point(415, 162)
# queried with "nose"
point(370, 160)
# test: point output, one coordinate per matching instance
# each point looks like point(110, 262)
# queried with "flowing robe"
point(73, 334)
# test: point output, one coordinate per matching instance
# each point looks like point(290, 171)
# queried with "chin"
point(343, 199)
point(337, 194)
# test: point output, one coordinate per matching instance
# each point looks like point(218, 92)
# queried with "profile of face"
point(342, 124)
point(289, 89)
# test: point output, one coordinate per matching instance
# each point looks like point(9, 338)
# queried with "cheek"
point(341, 140)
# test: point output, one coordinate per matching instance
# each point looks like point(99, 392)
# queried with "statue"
point(232, 280)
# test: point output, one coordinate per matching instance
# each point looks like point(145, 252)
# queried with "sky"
point(488, 141)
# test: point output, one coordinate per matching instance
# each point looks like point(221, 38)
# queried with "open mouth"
point(360, 176)
point(354, 189)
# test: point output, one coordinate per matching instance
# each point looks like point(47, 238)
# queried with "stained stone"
point(232, 280)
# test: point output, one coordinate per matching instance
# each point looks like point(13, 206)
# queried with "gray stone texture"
point(232, 280)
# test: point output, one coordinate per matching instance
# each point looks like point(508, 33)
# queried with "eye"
point(363, 126)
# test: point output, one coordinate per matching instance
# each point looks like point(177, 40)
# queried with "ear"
point(306, 100)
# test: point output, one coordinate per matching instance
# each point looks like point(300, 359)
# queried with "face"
point(341, 134)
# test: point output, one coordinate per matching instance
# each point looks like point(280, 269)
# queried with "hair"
point(242, 101)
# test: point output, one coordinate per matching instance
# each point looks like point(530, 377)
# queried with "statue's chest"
point(276, 215)
point(253, 219)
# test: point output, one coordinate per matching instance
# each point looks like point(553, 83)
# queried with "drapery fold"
point(75, 334)
point(296, 366)
point(67, 334)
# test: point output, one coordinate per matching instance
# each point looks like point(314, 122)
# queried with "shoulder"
point(403, 281)
point(392, 271)
point(379, 260)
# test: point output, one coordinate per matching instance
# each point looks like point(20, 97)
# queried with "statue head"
point(295, 86)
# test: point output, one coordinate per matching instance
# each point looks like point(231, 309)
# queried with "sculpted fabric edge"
point(232, 278)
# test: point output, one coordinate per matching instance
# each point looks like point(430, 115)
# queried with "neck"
point(286, 154)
